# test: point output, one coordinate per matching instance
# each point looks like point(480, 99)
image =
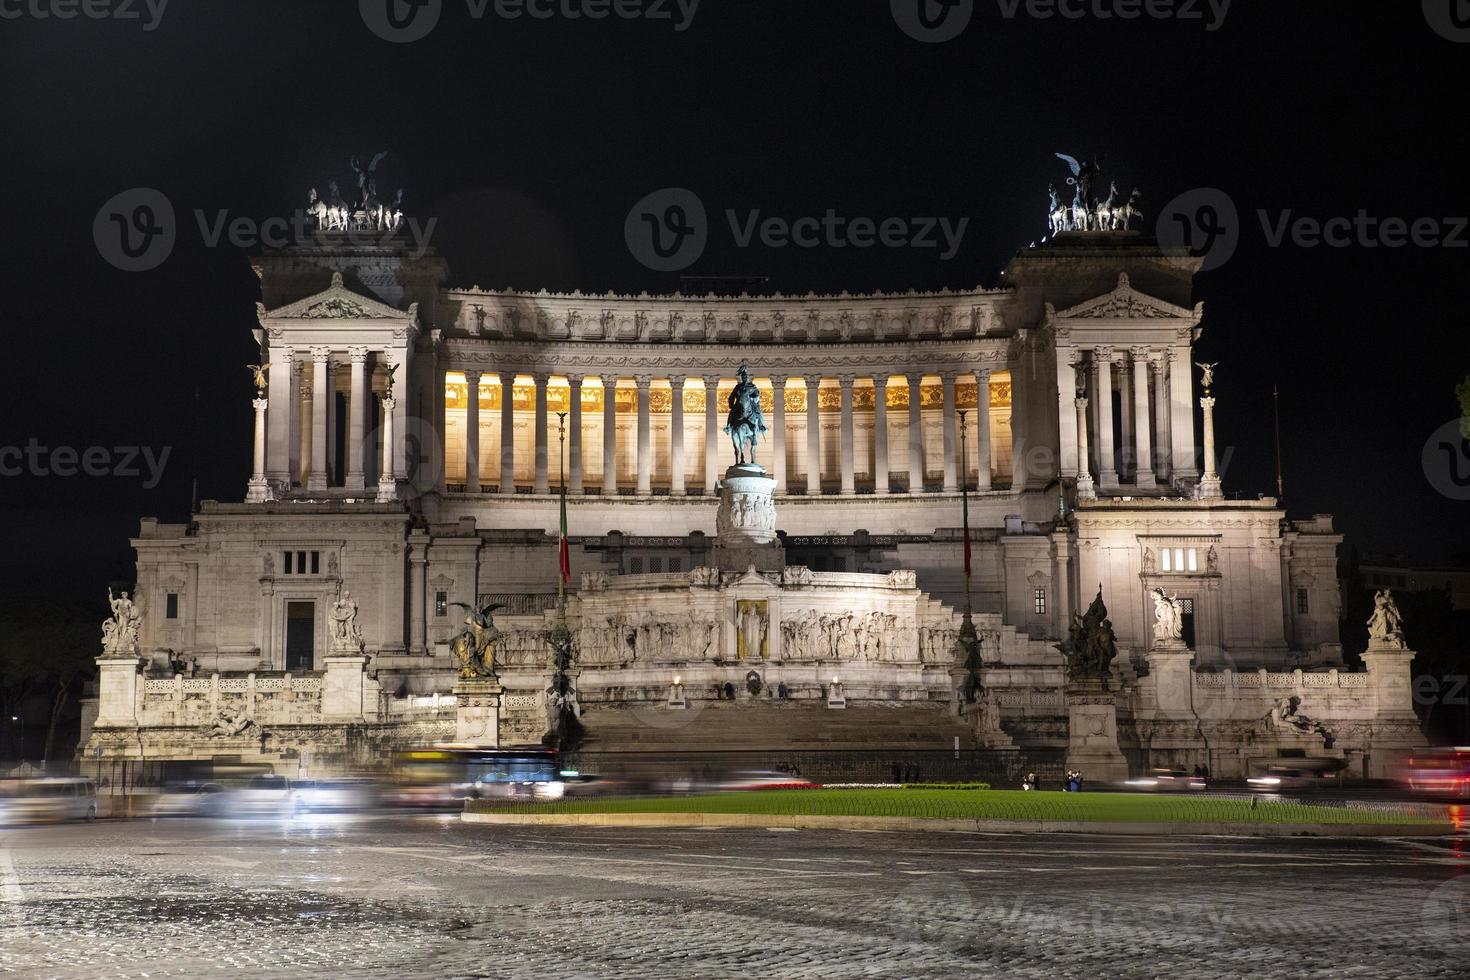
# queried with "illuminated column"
point(982, 430)
point(321, 393)
point(1181, 414)
point(609, 435)
point(813, 435)
point(711, 432)
point(676, 434)
point(849, 478)
point(1125, 416)
point(574, 437)
point(441, 427)
point(387, 477)
point(507, 432)
point(278, 418)
point(645, 437)
point(1142, 439)
point(356, 415)
point(1161, 417)
point(472, 432)
point(1209, 484)
point(1067, 429)
point(916, 434)
point(1102, 363)
point(880, 433)
point(258, 490)
point(1085, 488)
point(778, 431)
point(417, 594)
point(307, 451)
point(951, 439)
point(543, 480)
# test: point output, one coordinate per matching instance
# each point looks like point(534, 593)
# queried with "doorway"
point(300, 635)
point(1186, 622)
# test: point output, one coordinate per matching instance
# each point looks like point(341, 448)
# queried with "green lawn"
point(988, 805)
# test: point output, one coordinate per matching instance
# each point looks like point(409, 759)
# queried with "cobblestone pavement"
point(428, 896)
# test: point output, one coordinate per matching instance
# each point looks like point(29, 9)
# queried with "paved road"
point(428, 896)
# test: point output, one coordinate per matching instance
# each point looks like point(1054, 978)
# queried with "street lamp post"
point(969, 641)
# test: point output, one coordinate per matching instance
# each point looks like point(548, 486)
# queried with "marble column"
point(1209, 484)
point(1086, 490)
point(417, 595)
point(951, 437)
point(507, 432)
point(609, 435)
point(813, 435)
point(711, 432)
point(1125, 417)
point(321, 393)
point(880, 433)
point(278, 419)
point(441, 426)
point(308, 450)
point(645, 437)
point(982, 430)
point(258, 490)
point(574, 437)
point(676, 434)
point(1181, 414)
point(387, 475)
point(472, 432)
point(1142, 439)
point(778, 431)
point(1102, 364)
point(1067, 428)
point(356, 417)
point(543, 448)
point(849, 477)
point(916, 433)
point(1161, 417)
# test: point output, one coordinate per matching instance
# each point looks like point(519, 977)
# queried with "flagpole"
point(968, 640)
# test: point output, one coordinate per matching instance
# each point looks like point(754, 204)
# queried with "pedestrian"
point(1029, 782)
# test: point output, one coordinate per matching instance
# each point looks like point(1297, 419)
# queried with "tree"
point(1462, 392)
point(47, 649)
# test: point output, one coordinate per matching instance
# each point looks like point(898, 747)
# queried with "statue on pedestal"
point(346, 634)
point(1385, 626)
point(257, 373)
point(745, 423)
point(1091, 644)
point(120, 633)
point(1168, 616)
point(474, 649)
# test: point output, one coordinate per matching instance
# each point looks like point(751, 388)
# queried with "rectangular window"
point(1302, 603)
point(1178, 559)
point(316, 557)
point(171, 606)
point(1168, 564)
point(286, 562)
point(676, 564)
point(635, 566)
point(1193, 560)
point(655, 564)
point(1040, 602)
point(441, 604)
point(300, 563)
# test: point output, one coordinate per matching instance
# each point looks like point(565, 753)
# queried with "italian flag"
point(565, 554)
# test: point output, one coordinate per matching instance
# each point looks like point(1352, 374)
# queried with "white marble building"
point(1086, 462)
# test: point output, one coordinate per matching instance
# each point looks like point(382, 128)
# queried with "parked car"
point(48, 801)
point(190, 800)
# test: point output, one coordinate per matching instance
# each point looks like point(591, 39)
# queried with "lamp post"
point(561, 462)
point(18, 736)
point(969, 641)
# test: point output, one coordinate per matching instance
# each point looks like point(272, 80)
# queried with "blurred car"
point(190, 800)
point(744, 781)
point(1166, 781)
point(48, 801)
point(1298, 774)
point(264, 795)
point(1440, 772)
point(342, 795)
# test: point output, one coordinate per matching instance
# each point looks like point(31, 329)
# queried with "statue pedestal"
point(477, 712)
point(1092, 728)
point(746, 522)
point(119, 681)
point(1390, 677)
point(1169, 666)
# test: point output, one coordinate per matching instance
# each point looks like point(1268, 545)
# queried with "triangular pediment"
point(1127, 303)
point(337, 302)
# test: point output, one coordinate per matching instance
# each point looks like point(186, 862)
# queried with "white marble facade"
point(1078, 366)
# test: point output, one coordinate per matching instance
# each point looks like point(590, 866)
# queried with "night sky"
point(530, 139)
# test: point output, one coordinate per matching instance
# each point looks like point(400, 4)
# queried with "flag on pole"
point(562, 547)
